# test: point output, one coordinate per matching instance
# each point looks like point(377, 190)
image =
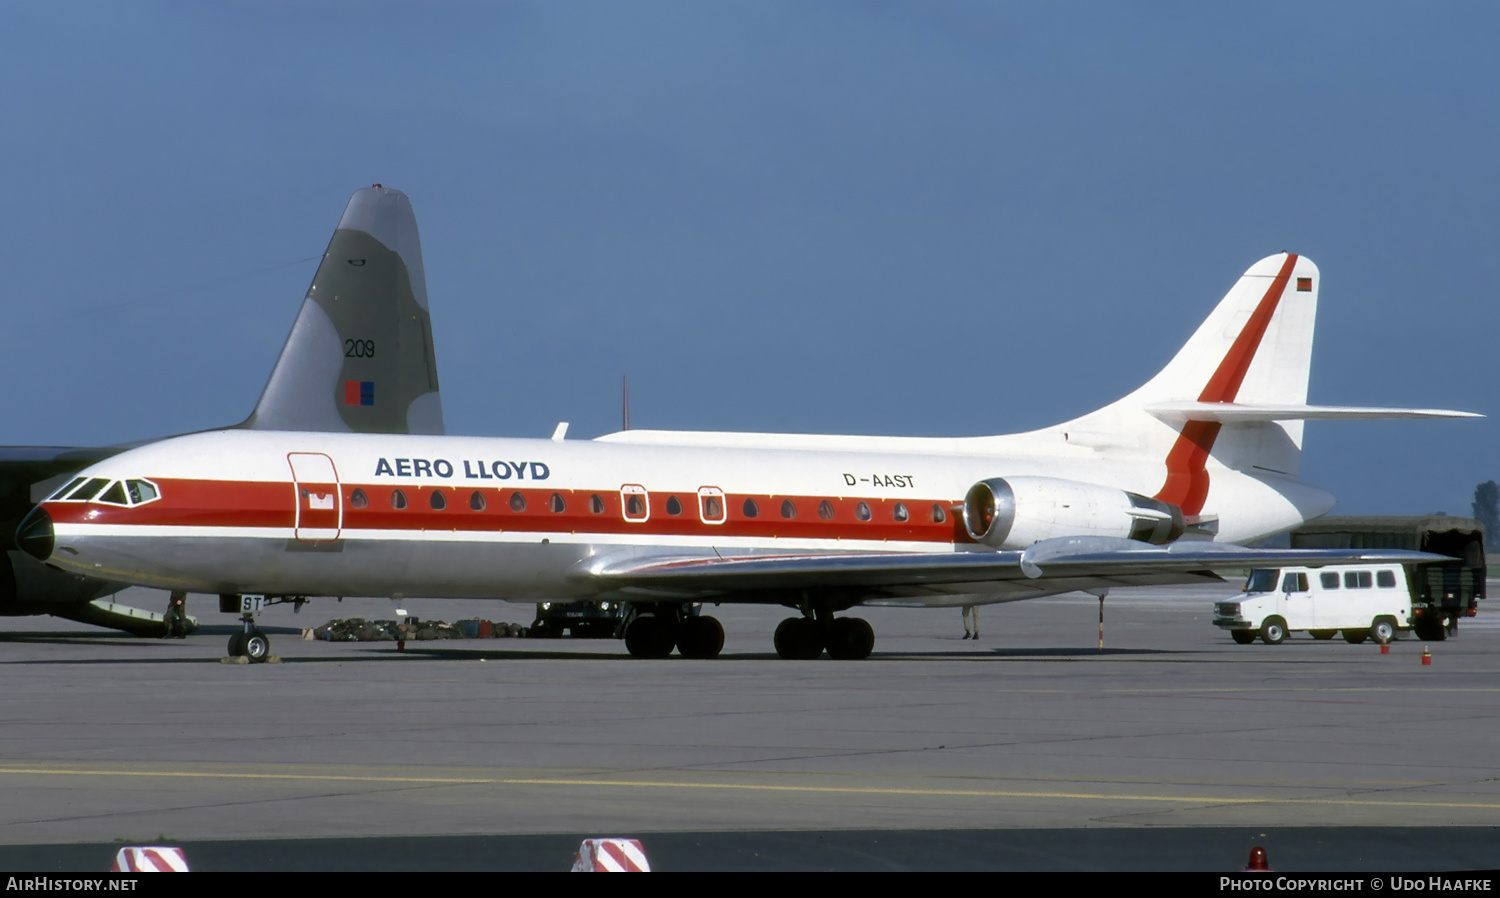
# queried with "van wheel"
point(1322, 634)
point(1273, 631)
point(1383, 630)
point(1355, 637)
point(1242, 637)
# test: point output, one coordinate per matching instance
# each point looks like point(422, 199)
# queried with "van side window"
point(1385, 579)
point(1358, 580)
point(1294, 583)
point(1330, 579)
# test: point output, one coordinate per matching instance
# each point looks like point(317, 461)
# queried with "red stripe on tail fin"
point(1187, 463)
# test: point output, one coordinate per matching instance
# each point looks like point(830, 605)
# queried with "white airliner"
point(1158, 487)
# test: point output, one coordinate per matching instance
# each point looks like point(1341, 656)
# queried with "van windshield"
point(1262, 581)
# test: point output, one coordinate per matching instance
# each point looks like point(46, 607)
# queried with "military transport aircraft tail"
point(359, 358)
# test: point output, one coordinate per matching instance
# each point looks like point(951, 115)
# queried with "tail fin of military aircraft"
point(1236, 392)
point(360, 357)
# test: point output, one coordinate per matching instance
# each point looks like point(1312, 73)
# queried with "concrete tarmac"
point(1171, 729)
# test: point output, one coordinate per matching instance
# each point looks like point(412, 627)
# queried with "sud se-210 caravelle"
point(1159, 487)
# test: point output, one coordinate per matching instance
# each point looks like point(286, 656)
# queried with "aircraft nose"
point(34, 536)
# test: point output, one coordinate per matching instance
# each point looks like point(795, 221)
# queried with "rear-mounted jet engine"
point(1015, 512)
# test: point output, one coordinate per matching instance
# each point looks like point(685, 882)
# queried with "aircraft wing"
point(912, 578)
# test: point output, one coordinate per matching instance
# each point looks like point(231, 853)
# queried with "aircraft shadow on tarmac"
point(379, 651)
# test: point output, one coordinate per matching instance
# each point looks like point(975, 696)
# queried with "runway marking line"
point(749, 787)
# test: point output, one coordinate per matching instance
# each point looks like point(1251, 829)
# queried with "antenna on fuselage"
point(625, 415)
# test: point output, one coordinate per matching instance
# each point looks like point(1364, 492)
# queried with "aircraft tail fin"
point(1237, 390)
point(360, 356)
point(1254, 348)
point(1254, 351)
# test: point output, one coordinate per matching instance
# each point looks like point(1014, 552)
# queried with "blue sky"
point(901, 218)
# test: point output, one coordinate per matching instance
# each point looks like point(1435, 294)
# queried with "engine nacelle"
point(1015, 512)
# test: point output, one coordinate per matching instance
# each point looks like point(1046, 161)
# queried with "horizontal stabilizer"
point(1237, 412)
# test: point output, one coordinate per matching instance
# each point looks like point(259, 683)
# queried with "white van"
point(1366, 601)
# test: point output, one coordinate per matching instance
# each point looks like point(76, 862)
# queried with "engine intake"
point(1015, 512)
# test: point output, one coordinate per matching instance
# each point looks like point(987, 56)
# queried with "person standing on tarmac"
point(971, 611)
point(176, 616)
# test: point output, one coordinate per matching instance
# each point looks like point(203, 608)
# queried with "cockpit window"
point(115, 495)
point(88, 490)
point(141, 491)
point(72, 485)
point(113, 492)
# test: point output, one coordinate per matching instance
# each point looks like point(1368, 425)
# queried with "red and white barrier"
point(611, 856)
point(150, 859)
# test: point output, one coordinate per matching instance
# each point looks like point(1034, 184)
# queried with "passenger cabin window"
point(900, 513)
point(750, 508)
point(710, 505)
point(1330, 579)
point(825, 510)
point(938, 515)
point(437, 501)
point(1294, 583)
point(788, 509)
point(635, 502)
point(517, 502)
point(557, 504)
point(358, 499)
point(596, 504)
point(1385, 579)
point(862, 511)
point(398, 499)
point(674, 507)
point(476, 501)
point(1358, 580)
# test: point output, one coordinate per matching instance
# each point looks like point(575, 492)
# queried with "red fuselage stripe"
point(267, 504)
point(1186, 485)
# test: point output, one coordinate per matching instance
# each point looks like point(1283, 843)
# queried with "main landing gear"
point(805, 638)
point(652, 631)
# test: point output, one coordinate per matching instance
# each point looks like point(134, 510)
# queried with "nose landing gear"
point(251, 643)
